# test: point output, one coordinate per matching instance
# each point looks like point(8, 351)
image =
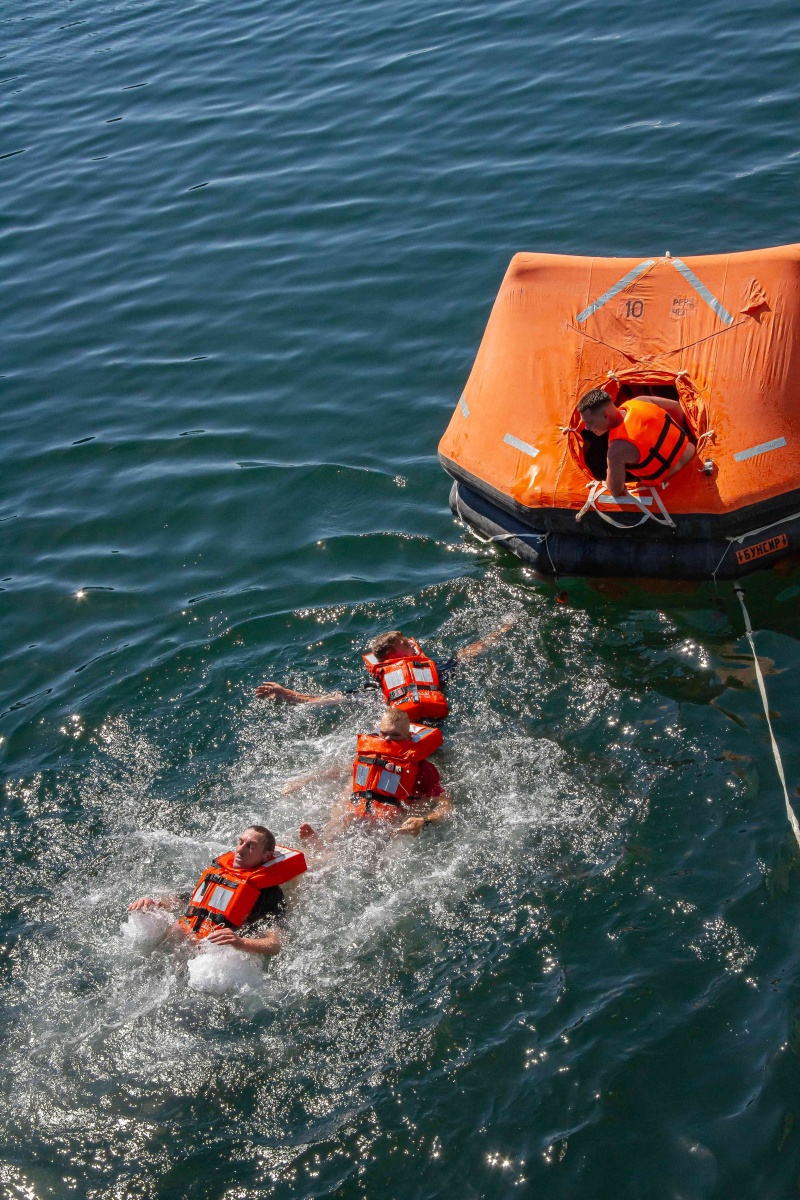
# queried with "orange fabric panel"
point(722, 328)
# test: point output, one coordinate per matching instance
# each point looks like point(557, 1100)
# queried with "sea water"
point(248, 252)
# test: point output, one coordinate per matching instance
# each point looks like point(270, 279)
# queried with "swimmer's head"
point(390, 645)
point(254, 847)
point(395, 725)
point(597, 410)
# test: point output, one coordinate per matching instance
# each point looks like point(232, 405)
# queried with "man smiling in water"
point(237, 884)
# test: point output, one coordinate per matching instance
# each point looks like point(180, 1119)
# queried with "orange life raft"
point(719, 333)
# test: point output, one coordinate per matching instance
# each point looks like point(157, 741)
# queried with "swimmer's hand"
point(267, 945)
point(412, 826)
point(332, 771)
point(307, 832)
point(276, 691)
point(146, 902)
point(225, 937)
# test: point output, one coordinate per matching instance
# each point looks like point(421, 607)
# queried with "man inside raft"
point(647, 437)
point(391, 778)
point(398, 665)
point(237, 890)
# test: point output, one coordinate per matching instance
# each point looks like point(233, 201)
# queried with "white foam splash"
point(225, 971)
point(379, 941)
point(144, 930)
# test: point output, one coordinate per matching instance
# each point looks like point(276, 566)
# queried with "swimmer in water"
point(239, 889)
point(390, 776)
point(398, 665)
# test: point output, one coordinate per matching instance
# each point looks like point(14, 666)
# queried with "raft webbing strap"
point(762, 689)
point(598, 487)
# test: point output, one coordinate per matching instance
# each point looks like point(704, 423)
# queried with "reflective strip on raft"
point(613, 291)
point(629, 499)
point(462, 404)
point(518, 444)
point(701, 289)
point(775, 444)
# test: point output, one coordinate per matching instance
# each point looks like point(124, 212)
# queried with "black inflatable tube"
point(699, 527)
point(596, 556)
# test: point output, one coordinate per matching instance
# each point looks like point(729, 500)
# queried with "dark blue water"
point(246, 255)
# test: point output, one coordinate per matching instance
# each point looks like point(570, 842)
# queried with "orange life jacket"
point(226, 896)
point(658, 439)
point(411, 683)
point(385, 770)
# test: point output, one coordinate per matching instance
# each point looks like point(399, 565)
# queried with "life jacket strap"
point(412, 689)
point(198, 915)
point(375, 760)
point(642, 470)
point(371, 796)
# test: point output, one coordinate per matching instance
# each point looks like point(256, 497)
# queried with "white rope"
point(762, 689)
point(763, 528)
point(721, 561)
point(667, 518)
point(497, 537)
point(598, 487)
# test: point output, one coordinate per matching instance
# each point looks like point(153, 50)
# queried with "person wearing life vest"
point(238, 889)
point(648, 437)
point(390, 779)
point(409, 679)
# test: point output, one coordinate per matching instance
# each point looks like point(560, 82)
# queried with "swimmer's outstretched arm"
point(476, 648)
point(269, 944)
point(441, 811)
point(332, 771)
point(276, 691)
point(170, 903)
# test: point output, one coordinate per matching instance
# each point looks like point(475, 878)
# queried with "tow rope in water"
point(762, 689)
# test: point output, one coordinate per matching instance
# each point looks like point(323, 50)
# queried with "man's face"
point(390, 731)
point(400, 646)
point(598, 420)
point(250, 851)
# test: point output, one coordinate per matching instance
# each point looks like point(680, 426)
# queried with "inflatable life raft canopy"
point(719, 333)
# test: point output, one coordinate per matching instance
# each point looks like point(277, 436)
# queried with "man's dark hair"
point(267, 837)
point(383, 643)
point(596, 398)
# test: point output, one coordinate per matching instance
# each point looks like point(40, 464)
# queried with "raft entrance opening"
point(593, 451)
